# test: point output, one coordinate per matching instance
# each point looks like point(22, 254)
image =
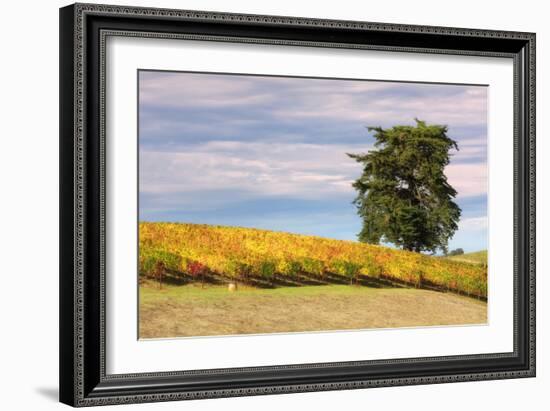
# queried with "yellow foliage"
point(239, 252)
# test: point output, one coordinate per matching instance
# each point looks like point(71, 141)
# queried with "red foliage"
point(195, 269)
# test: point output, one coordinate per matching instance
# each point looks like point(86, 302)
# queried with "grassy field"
point(478, 257)
point(191, 253)
point(192, 310)
point(289, 283)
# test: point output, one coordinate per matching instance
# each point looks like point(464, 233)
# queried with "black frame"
point(83, 30)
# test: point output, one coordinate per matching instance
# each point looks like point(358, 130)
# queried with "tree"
point(458, 251)
point(403, 194)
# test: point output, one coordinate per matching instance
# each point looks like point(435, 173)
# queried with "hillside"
point(478, 257)
point(194, 252)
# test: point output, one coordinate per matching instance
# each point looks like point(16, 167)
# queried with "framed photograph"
point(262, 204)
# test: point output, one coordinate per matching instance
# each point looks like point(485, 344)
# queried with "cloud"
point(190, 106)
point(170, 89)
point(468, 179)
point(470, 151)
point(300, 170)
point(474, 224)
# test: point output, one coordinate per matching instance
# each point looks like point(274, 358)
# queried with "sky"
point(270, 152)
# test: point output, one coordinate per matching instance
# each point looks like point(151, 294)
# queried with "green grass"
point(191, 310)
point(478, 257)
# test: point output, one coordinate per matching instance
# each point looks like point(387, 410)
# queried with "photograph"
point(291, 201)
point(283, 204)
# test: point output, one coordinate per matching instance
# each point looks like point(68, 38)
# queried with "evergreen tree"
point(403, 194)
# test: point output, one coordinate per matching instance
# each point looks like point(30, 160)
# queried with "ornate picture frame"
point(84, 30)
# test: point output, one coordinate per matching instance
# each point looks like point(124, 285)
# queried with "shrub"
point(371, 268)
point(267, 269)
point(312, 266)
point(345, 268)
point(288, 267)
point(458, 251)
point(196, 269)
point(237, 269)
point(148, 261)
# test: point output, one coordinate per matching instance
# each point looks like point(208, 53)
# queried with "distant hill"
point(478, 257)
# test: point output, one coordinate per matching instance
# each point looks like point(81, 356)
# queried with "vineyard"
point(268, 259)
